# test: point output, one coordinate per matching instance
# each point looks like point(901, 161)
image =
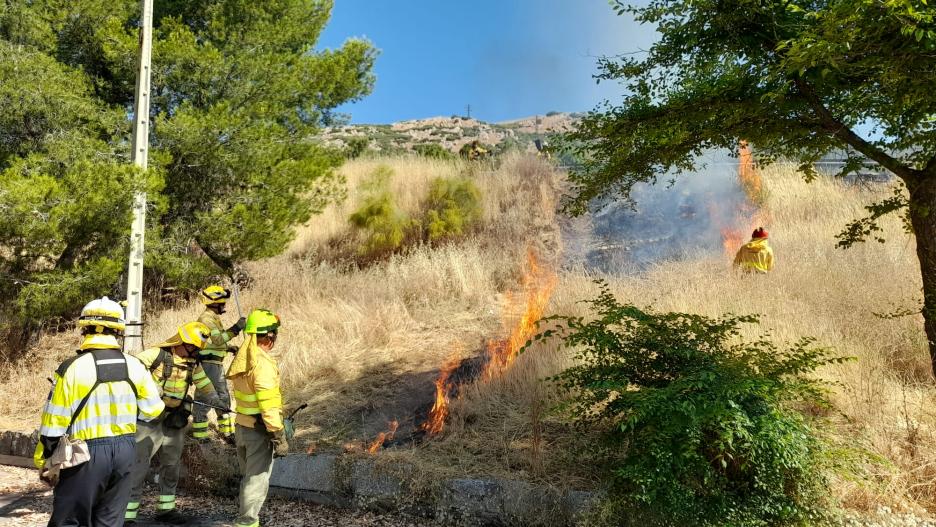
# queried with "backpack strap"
point(165, 359)
point(109, 366)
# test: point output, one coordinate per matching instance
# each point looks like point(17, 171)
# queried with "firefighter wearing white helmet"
point(215, 299)
point(97, 397)
point(174, 365)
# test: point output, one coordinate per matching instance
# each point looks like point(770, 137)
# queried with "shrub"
point(433, 151)
point(355, 147)
point(385, 226)
point(699, 425)
point(552, 113)
point(453, 205)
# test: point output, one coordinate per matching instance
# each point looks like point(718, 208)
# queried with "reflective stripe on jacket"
point(182, 374)
point(256, 381)
point(755, 256)
point(216, 349)
point(112, 408)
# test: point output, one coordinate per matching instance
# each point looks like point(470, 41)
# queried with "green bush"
point(355, 147)
point(433, 151)
point(385, 226)
point(453, 205)
point(699, 424)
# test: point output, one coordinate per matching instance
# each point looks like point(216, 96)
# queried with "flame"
point(748, 216)
point(383, 437)
point(748, 175)
point(440, 409)
point(538, 283)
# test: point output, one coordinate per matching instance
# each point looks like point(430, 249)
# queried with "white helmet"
point(103, 313)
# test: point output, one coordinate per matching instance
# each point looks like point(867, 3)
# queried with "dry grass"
point(360, 343)
point(363, 344)
point(885, 397)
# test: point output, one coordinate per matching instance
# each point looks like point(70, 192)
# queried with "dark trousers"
point(95, 493)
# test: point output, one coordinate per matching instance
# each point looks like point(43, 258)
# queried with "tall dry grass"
point(884, 399)
point(360, 342)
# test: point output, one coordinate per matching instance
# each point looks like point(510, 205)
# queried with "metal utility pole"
point(141, 107)
point(468, 110)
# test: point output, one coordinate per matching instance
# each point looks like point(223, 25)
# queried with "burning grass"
point(884, 398)
point(365, 346)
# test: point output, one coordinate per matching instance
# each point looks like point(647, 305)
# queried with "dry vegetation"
point(364, 342)
point(884, 399)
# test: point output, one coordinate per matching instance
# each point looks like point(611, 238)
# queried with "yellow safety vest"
point(174, 375)
point(216, 349)
point(112, 407)
point(256, 382)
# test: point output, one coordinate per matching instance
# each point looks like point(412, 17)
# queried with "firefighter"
point(755, 256)
point(215, 298)
point(97, 396)
point(259, 430)
point(174, 366)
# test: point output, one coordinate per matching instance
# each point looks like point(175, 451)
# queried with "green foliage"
point(699, 424)
point(238, 91)
point(863, 228)
point(385, 226)
point(453, 205)
point(552, 113)
point(355, 147)
point(794, 78)
point(474, 150)
point(797, 79)
point(433, 151)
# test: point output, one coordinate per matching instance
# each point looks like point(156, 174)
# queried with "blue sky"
point(507, 58)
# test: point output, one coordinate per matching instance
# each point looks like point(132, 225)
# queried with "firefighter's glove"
point(49, 477)
point(280, 445)
point(238, 326)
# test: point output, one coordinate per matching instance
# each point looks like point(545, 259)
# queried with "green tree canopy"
point(238, 92)
point(797, 78)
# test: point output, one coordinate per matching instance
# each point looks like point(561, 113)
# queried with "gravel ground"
point(32, 510)
point(36, 502)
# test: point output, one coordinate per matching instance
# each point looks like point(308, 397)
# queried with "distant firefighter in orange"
point(755, 256)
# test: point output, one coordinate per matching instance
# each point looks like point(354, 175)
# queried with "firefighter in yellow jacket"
point(259, 430)
point(97, 397)
point(174, 366)
point(755, 256)
point(215, 299)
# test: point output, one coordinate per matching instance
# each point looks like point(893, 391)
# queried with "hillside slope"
point(452, 132)
point(370, 342)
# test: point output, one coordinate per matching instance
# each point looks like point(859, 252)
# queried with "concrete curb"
point(364, 483)
point(372, 484)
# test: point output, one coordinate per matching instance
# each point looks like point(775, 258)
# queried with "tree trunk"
point(923, 218)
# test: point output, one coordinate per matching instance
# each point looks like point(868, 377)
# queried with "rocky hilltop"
point(451, 132)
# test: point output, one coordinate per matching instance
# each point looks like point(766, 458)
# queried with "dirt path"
point(24, 501)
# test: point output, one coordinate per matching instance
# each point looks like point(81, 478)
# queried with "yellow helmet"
point(195, 333)
point(215, 294)
point(262, 321)
point(103, 313)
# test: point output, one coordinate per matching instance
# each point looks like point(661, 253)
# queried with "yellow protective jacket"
point(217, 342)
point(174, 375)
point(755, 256)
point(256, 381)
point(111, 409)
